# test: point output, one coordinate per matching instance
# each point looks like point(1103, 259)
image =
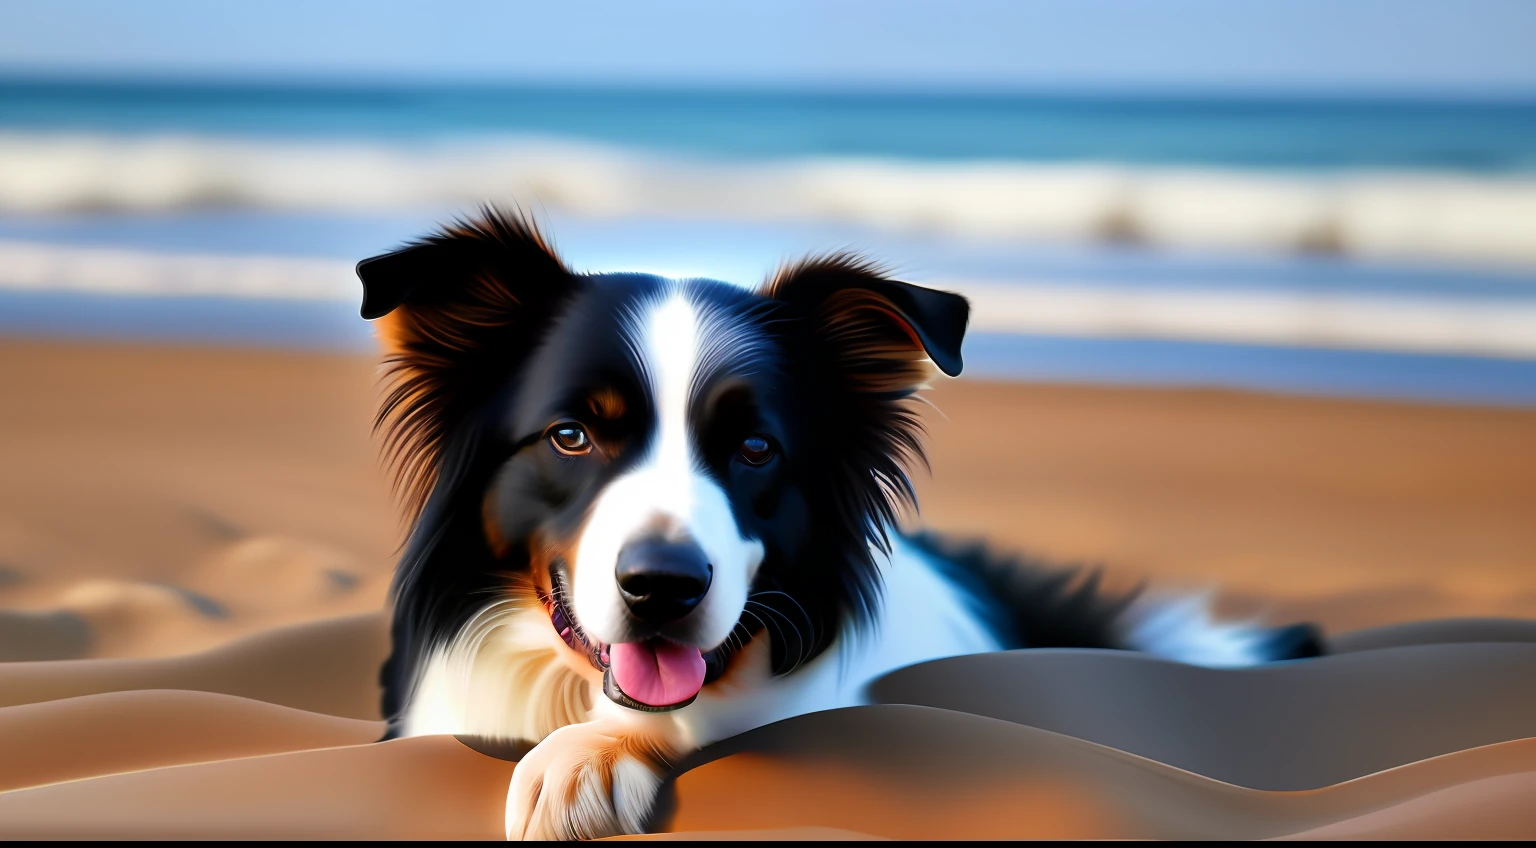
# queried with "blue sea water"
point(1490, 139)
point(1272, 132)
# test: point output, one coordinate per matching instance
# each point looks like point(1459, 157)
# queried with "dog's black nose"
point(663, 581)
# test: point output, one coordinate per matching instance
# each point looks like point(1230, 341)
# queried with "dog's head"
point(672, 467)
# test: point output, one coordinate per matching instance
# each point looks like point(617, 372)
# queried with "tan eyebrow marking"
point(606, 403)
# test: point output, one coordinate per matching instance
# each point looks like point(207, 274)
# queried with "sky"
point(1457, 47)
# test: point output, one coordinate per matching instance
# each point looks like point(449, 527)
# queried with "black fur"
point(1296, 642)
point(1029, 603)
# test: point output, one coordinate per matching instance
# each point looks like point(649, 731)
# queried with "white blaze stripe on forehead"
point(672, 348)
point(667, 492)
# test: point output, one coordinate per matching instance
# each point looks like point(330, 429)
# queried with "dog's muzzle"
point(662, 582)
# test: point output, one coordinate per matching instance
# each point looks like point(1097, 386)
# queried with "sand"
point(195, 546)
point(174, 500)
point(159, 764)
point(1351, 513)
point(125, 731)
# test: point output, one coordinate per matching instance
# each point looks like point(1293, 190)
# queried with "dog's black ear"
point(870, 316)
point(457, 312)
point(442, 266)
point(859, 345)
point(389, 279)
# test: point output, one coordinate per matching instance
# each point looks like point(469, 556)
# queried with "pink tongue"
point(656, 672)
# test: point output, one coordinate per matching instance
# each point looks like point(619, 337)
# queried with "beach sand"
point(195, 546)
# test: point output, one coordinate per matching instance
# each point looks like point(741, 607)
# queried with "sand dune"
point(49, 635)
point(916, 772)
point(1290, 726)
point(1489, 808)
point(1025, 744)
point(426, 788)
point(119, 732)
point(892, 771)
point(1441, 631)
point(327, 666)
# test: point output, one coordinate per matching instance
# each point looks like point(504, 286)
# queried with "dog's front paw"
point(585, 781)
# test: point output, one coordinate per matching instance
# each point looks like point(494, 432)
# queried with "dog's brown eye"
point(570, 439)
point(756, 450)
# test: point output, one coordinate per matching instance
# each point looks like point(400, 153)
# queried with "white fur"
point(506, 675)
point(610, 791)
point(1183, 629)
point(667, 492)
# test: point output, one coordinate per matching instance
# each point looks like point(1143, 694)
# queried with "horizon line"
point(328, 79)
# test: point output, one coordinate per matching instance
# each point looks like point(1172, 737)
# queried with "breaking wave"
point(1427, 215)
point(1502, 327)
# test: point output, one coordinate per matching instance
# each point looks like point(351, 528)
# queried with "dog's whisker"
point(801, 644)
point(764, 624)
point(806, 646)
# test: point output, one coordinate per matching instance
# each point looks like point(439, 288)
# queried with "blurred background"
point(1254, 283)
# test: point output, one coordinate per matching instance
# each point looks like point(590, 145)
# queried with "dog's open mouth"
point(657, 674)
point(654, 675)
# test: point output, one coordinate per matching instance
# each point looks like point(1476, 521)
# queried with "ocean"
point(1324, 246)
point(1271, 132)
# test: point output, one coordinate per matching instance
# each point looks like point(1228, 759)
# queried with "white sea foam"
point(1400, 215)
point(1491, 327)
point(1496, 327)
point(26, 266)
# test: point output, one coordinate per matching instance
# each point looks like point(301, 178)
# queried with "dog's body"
point(652, 514)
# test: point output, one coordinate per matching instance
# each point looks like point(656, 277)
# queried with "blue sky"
point(1393, 46)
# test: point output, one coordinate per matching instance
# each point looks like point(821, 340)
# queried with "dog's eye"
point(570, 439)
point(756, 450)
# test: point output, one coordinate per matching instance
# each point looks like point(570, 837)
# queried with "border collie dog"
point(649, 514)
